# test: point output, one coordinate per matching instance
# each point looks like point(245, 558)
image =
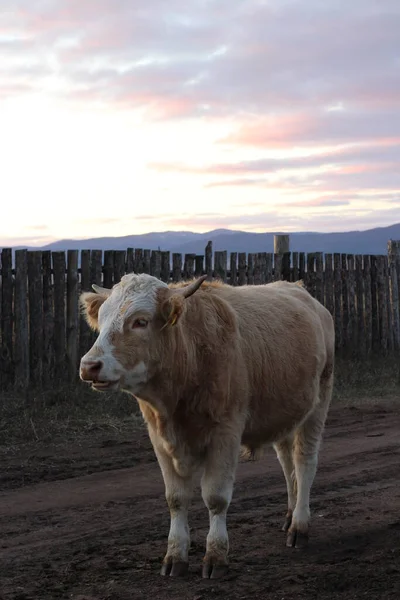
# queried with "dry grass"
point(76, 413)
point(377, 378)
point(66, 413)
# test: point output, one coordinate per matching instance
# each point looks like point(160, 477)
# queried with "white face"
point(119, 358)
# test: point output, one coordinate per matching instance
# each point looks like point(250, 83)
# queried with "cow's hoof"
point(297, 539)
point(214, 571)
point(288, 522)
point(174, 569)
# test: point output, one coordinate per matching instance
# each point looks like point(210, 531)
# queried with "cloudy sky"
point(121, 116)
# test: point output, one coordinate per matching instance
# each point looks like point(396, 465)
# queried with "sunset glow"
point(119, 118)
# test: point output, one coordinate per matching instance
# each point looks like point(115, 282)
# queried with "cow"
point(216, 368)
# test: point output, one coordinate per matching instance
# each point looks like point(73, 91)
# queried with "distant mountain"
point(372, 241)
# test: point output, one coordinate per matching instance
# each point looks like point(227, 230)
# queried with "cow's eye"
point(139, 324)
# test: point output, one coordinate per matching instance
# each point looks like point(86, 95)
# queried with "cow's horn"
point(101, 290)
point(193, 287)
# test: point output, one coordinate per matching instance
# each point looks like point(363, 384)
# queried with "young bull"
point(213, 368)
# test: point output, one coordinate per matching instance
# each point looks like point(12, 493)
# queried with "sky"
point(122, 117)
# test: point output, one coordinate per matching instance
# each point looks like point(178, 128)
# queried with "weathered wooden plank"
point(281, 243)
point(286, 258)
point(130, 260)
point(374, 304)
point(367, 303)
point(138, 263)
point(7, 293)
point(397, 262)
point(263, 267)
point(119, 265)
point(337, 278)
point(176, 266)
point(209, 257)
point(250, 268)
point(310, 275)
point(21, 344)
point(269, 267)
point(328, 284)
point(155, 264)
point(85, 334)
point(361, 345)
point(345, 305)
point(165, 266)
point(72, 314)
point(278, 261)
point(96, 268)
point(302, 266)
point(220, 264)
point(199, 262)
point(35, 292)
point(382, 304)
point(146, 261)
point(48, 319)
point(189, 266)
point(0, 324)
point(233, 276)
point(257, 269)
point(108, 268)
point(85, 272)
point(59, 267)
point(295, 267)
point(352, 330)
point(394, 260)
point(319, 277)
point(390, 330)
point(242, 268)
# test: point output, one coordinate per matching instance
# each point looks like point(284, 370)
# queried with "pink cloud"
point(362, 165)
point(268, 70)
point(306, 129)
point(275, 57)
point(317, 203)
point(272, 132)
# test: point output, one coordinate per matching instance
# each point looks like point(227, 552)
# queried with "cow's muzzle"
point(90, 372)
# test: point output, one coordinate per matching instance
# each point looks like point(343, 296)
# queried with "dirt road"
point(90, 522)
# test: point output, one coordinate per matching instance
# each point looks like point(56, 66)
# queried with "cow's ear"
point(172, 301)
point(171, 309)
point(90, 303)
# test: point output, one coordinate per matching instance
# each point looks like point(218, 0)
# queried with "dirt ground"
point(90, 522)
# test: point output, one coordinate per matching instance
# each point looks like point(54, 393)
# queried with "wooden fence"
point(43, 334)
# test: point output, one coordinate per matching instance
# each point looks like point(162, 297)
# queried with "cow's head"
point(131, 319)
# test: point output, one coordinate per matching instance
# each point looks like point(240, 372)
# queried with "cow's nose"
point(90, 369)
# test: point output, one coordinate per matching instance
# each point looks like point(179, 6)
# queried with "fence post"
point(199, 265)
point(21, 320)
point(84, 329)
point(7, 319)
point(281, 244)
point(35, 295)
point(209, 266)
point(48, 320)
point(282, 257)
point(220, 265)
point(233, 269)
point(176, 266)
point(165, 266)
point(242, 267)
point(393, 250)
point(72, 333)
point(59, 268)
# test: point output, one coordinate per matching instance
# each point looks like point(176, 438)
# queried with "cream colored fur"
point(242, 367)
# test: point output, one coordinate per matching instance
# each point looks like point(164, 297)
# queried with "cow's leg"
point(307, 441)
point(284, 452)
point(217, 489)
point(178, 493)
